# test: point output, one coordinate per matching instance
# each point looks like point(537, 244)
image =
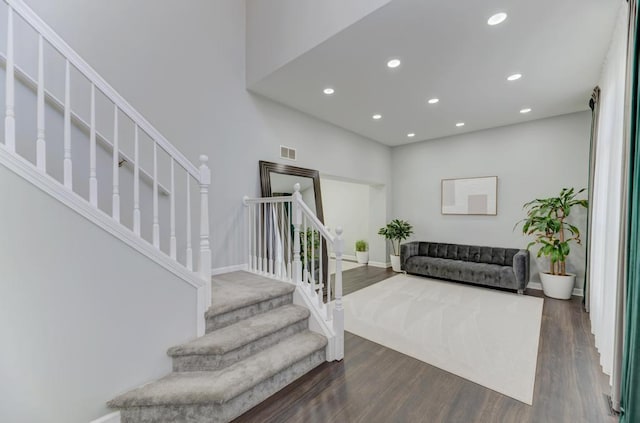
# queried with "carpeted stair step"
point(235, 342)
point(222, 395)
point(240, 295)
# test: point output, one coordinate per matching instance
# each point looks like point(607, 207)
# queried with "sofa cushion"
point(423, 249)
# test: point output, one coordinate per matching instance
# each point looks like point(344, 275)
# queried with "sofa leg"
point(520, 291)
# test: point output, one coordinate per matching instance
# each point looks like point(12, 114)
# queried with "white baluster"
point(41, 147)
point(313, 257)
point(205, 250)
point(305, 252)
point(189, 249)
point(10, 114)
point(93, 180)
point(136, 182)
point(253, 234)
point(282, 272)
point(265, 262)
point(320, 281)
point(271, 236)
point(338, 312)
point(68, 173)
point(297, 221)
point(115, 202)
point(289, 246)
point(156, 221)
point(173, 253)
point(259, 238)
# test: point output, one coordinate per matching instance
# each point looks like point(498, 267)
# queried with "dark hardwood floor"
point(376, 384)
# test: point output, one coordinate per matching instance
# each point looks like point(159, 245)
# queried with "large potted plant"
point(396, 231)
point(546, 221)
point(362, 251)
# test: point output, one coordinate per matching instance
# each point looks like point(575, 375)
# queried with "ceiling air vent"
point(287, 153)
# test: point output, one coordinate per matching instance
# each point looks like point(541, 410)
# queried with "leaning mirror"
point(278, 180)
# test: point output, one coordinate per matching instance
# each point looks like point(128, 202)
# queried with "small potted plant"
point(547, 222)
point(362, 251)
point(396, 231)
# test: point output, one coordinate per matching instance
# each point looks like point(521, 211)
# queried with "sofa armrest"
point(407, 250)
point(521, 268)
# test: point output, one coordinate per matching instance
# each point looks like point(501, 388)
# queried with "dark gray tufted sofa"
point(491, 266)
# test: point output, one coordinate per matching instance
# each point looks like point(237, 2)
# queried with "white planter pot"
point(556, 286)
point(362, 257)
point(395, 263)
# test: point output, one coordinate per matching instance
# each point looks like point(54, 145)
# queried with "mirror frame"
point(265, 183)
point(265, 180)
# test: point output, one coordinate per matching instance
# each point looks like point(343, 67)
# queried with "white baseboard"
point(228, 269)
point(109, 418)
point(345, 257)
point(380, 264)
point(578, 292)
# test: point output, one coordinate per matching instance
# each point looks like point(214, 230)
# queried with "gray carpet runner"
point(257, 342)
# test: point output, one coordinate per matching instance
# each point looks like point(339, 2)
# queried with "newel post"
point(205, 248)
point(297, 221)
point(338, 311)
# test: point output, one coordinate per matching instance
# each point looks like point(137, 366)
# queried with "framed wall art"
point(470, 196)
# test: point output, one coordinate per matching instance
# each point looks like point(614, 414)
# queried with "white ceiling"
point(448, 51)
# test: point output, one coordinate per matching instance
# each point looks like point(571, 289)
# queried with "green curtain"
point(630, 398)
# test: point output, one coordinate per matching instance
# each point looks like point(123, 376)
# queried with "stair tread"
point(235, 290)
point(242, 333)
point(184, 388)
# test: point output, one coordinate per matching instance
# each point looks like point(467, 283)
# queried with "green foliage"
point(546, 222)
point(361, 245)
point(396, 231)
point(312, 238)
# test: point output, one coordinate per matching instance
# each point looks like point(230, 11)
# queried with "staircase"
point(257, 330)
point(257, 342)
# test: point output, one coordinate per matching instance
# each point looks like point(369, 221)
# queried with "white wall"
point(278, 31)
point(346, 204)
point(184, 70)
point(607, 195)
point(531, 160)
point(82, 316)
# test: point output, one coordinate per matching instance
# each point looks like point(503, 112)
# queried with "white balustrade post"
point(205, 249)
point(189, 249)
point(10, 114)
point(68, 180)
point(136, 182)
point(338, 311)
point(248, 227)
point(173, 247)
point(297, 221)
point(156, 218)
point(93, 179)
point(41, 148)
point(115, 201)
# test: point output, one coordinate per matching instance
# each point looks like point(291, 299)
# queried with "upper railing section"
point(135, 152)
point(287, 241)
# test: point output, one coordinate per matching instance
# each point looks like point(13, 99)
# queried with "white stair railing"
point(47, 38)
point(285, 241)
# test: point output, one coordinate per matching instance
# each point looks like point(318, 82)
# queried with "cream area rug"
point(487, 336)
point(346, 265)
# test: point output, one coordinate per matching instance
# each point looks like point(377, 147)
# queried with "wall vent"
point(287, 153)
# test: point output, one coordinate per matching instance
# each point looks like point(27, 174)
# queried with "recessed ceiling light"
point(433, 100)
point(411, 135)
point(527, 110)
point(496, 19)
point(376, 117)
point(393, 63)
point(459, 124)
point(329, 91)
point(514, 77)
